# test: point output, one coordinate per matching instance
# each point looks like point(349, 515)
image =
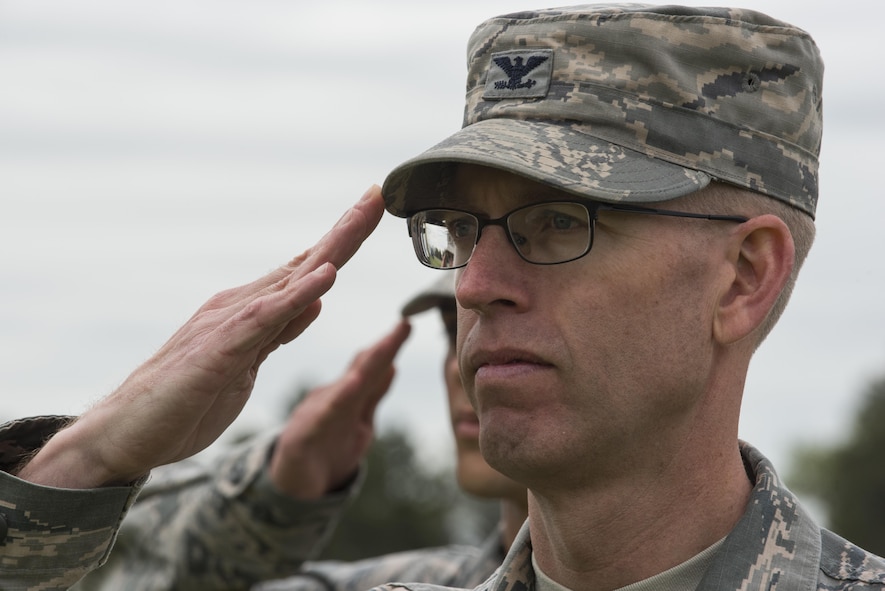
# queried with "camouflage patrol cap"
point(633, 103)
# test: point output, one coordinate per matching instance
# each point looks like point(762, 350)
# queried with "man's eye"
point(460, 229)
point(561, 221)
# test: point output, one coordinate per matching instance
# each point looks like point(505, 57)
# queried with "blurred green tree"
point(849, 478)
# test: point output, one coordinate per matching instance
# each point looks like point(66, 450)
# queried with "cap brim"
point(441, 292)
point(562, 155)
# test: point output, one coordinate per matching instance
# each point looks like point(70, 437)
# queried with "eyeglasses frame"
point(592, 207)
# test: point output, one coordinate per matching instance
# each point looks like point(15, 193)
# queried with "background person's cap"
point(633, 103)
point(437, 294)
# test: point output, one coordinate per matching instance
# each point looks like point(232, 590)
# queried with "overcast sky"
point(153, 153)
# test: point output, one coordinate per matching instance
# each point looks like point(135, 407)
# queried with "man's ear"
point(761, 256)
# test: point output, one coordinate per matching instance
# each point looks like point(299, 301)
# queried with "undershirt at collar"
point(682, 577)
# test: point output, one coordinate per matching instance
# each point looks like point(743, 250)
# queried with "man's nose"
point(489, 272)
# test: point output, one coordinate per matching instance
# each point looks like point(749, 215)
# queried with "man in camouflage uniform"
point(231, 526)
point(611, 384)
point(65, 485)
point(681, 144)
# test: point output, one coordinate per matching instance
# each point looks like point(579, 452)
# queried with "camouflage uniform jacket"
point(50, 537)
point(194, 528)
point(227, 528)
point(222, 526)
point(451, 566)
point(774, 547)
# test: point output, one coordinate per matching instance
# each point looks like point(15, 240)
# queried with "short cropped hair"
point(724, 198)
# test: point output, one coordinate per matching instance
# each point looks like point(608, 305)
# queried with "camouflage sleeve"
point(221, 527)
point(50, 537)
point(446, 565)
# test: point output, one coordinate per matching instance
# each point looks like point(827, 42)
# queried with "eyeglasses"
point(545, 233)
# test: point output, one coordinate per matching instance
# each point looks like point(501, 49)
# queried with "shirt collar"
point(774, 544)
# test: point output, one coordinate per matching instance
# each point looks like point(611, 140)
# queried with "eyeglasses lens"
point(549, 233)
point(543, 233)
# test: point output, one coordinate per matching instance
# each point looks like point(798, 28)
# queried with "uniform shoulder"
point(842, 561)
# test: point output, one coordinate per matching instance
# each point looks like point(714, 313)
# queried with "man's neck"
point(631, 531)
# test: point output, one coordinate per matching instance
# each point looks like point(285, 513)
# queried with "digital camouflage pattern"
point(775, 546)
point(634, 103)
point(449, 566)
point(51, 537)
point(217, 526)
point(194, 526)
point(225, 527)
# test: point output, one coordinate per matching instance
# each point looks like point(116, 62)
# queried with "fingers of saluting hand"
point(278, 307)
point(336, 247)
point(219, 350)
point(371, 372)
point(352, 398)
point(198, 382)
point(330, 431)
point(186, 394)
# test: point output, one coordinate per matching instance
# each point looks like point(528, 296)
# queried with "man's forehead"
point(475, 186)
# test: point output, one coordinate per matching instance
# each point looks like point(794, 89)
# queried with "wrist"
point(69, 460)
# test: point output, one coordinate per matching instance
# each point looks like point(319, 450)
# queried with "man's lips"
point(505, 362)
